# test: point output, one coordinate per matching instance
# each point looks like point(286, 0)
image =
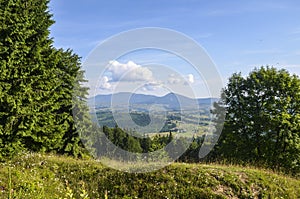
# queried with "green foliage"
point(38, 176)
point(72, 105)
point(37, 83)
point(192, 153)
point(262, 119)
point(23, 81)
point(128, 141)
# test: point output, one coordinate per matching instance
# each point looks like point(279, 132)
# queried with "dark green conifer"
point(37, 82)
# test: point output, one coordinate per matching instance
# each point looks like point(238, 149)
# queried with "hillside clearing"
point(50, 176)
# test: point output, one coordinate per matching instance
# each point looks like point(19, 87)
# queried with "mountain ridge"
point(170, 100)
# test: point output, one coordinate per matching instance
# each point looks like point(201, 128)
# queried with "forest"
point(43, 108)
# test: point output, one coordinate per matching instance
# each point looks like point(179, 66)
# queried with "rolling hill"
point(170, 101)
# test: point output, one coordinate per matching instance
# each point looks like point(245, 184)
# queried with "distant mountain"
point(170, 101)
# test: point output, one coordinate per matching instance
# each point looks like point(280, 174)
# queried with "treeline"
point(182, 149)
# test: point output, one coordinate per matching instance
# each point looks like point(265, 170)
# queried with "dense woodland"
point(41, 97)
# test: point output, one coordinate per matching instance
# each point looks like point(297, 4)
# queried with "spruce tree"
point(73, 111)
point(38, 84)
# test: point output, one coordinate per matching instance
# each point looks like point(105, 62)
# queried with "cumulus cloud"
point(104, 83)
point(129, 71)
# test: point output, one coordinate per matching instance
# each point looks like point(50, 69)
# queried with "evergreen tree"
point(26, 73)
point(146, 143)
point(37, 82)
point(73, 111)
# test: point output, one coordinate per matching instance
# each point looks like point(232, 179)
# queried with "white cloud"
point(173, 79)
point(151, 86)
point(104, 83)
point(187, 79)
point(129, 72)
point(190, 78)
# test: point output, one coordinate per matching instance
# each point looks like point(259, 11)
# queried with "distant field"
point(185, 123)
point(45, 176)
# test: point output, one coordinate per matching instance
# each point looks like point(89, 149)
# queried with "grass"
point(50, 176)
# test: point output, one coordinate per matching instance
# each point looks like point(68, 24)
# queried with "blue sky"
point(237, 35)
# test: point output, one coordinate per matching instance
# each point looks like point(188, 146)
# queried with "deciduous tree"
point(262, 121)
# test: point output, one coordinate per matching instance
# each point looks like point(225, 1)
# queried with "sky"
point(237, 35)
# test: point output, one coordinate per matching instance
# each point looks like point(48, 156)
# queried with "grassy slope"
point(41, 176)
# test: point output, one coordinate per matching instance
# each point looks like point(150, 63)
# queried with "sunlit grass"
point(52, 176)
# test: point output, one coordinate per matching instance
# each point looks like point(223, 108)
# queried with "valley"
point(152, 115)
